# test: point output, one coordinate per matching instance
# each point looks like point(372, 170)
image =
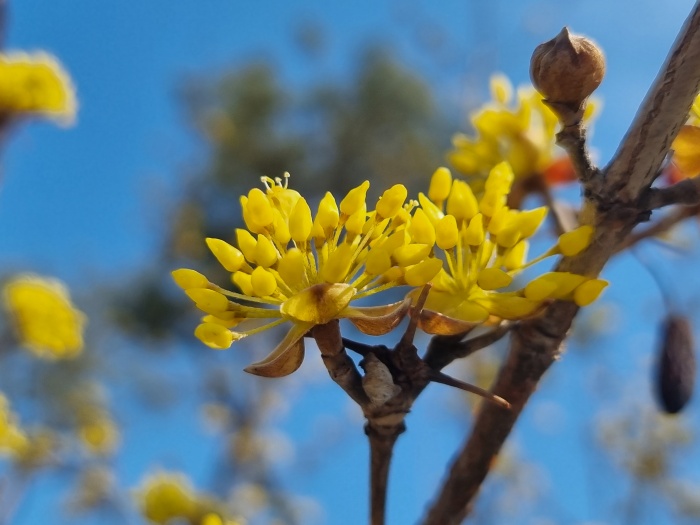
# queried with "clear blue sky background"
point(87, 204)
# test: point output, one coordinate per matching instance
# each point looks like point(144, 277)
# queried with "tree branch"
point(685, 192)
point(663, 112)
point(613, 210)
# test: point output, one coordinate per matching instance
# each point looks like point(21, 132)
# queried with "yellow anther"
point(265, 252)
point(263, 282)
point(229, 257)
point(355, 199)
point(440, 185)
point(421, 229)
point(300, 222)
point(446, 233)
point(391, 201)
point(186, 279)
point(214, 335)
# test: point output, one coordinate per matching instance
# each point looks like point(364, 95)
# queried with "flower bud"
point(676, 365)
point(567, 69)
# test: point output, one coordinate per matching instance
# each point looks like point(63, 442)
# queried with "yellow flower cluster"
point(484, 245)
point(167, 496)
point(309, 268)
point(35, 85)
point(45, 320)
point(522, 135)
point(13, 440)
point(293, 266)
point(686, 147)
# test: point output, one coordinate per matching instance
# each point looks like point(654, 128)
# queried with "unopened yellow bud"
point(501, 89)
point(529, 221)
point(242, 280)
point(186, 279)
point(355, 199)
point(327, 215)
point(378, 261)
point(280, 228)
point(440, 185)
point(259, 208)
point(356, 222)
point(461, 203)
point(265, 252)
point(515, 257)
point(391, 201)
point(338, 264)
point(553, 285)
point(411, 254)
point(475, 235)
point(209, 301)
point(300, 222)
point(500, 179)
point(291, 268)
point(421, 229)
point(589, 291)
point(263, 282)
point(214, 335)
point(446, 233)
point(247, 243)
point(493, 279)
point(421, 273)
point(229, 257)
point(433, 212)
point(499, 220)
point(574, 242)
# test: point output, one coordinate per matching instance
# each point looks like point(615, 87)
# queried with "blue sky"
point(88, 203)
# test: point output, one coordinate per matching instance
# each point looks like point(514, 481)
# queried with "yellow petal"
point(440, 185)
point(247, 243)
point(421, 228)
point(421, 273)
point(263, 282)
point(493, 278)
point(292, 270)
point(208, 300)
point(574, 242)
point(338, 265)
point(286, 357)
point(515, 257)
point(553, 285)
point(259, 208)
point(355, 199)
point(475, 234)
point(446, 233)
point(327, 216)
point(391, 201)
point(265, 252)
point(300, 222)
point(411, 254)
point(509, 305)
point(461, 203)
point(214, 335)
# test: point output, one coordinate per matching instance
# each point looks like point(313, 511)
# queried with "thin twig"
point(685, 192)
point(659, 227)
point(443, 349)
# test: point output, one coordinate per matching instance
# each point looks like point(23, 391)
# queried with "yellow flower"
point(13, 440)
point(45, 320)
point(166, 496)
point(291, 266)
point(36, 84)
point(99, 435)
point(484, 245)
point(522, 135)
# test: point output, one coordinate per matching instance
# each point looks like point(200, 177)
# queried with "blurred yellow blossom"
point(99, 435)
point(35, 84)
point(484, 245)
point(45, 320)
point(686, 148)
point(13, 440)
point(291, 266)
point(165, 496)
point(522, 135)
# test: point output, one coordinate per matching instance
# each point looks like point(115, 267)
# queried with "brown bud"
point(567, 69)
point(676, 365)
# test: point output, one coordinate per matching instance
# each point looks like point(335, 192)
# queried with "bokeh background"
point(183, 106)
